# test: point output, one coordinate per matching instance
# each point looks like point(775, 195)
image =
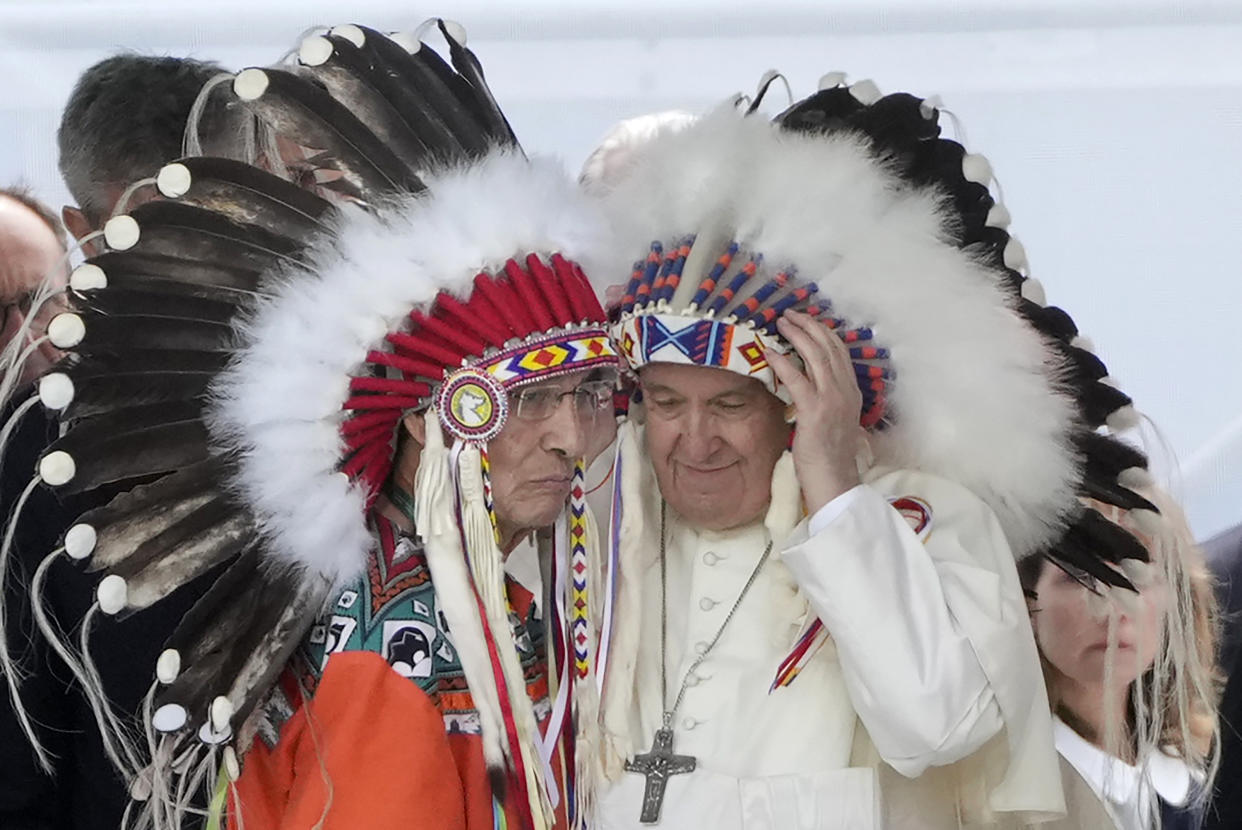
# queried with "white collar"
point(1117, 781)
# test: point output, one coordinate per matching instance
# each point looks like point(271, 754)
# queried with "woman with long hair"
point(1132, 676)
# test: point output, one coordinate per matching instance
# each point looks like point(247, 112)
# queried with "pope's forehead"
point(700, 379)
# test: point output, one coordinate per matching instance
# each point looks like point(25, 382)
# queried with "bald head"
point(30, 251)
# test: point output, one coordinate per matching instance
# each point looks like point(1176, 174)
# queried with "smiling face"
point(714, 437)
point(1072, 629)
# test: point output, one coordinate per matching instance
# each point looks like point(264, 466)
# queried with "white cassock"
point(930, 660)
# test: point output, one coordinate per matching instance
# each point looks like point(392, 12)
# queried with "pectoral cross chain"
point(658, 764)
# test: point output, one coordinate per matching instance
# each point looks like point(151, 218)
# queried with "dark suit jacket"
point(1224, 553)
point(85, 793)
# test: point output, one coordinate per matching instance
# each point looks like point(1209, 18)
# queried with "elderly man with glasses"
point(32, 248)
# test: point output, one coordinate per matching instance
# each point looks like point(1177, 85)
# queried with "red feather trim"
point(412, 367)
point(361, 423)
point(367, 402)
point(478, 317)
point(461, 338)
point(527, 288)
point(407, 388)
point(552, 290)
point(424, 347)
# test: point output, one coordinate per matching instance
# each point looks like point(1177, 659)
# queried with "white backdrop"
point(1114, 129)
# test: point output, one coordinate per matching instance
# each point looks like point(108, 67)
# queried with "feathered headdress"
point(851, 207)
point(241, 357)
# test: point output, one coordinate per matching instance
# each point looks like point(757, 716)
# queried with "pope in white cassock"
point(819, 624)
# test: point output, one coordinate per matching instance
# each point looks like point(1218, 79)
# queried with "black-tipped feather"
point(154, 450)
point(247, 195)
point(188, 232)
point(1107, 457)
point(215, 533)
point(116, 301)
point(201, 278)
point(268, 657)
point(95, 396)
point(210, 637)
point(1099, 400)
point(828, 109)
point(897, 126)
point(106, 332)
point(133, 443)
point(206, 627)
point(1095, 545)
point(909, 140)
point(485, 106)
point(1050, 320)
point(425, 102)
point(352, 77)
point(1086, 367)
point(142, 361)
point(296, 107)
point(168, 490)
point(118, 539)
point(1110, 492)
point(450, 95)
point(248, 607)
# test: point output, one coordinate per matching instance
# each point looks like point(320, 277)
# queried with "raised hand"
point(827, 401)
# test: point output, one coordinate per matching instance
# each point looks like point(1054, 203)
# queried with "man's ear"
point(79, 226)
point(75, 221)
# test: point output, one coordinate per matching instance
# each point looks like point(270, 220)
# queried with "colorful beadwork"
point(556, 355)
point(731, 320)
point(472, 405)
point(578, 568)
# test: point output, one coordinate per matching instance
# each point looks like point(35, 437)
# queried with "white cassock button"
point(710, 558)
point(689, 723)
point(701, 646)
point(707, 603)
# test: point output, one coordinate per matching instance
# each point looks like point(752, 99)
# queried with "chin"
point(714, 513)
point(540, 514)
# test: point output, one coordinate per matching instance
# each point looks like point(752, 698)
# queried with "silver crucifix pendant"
point(658, 765)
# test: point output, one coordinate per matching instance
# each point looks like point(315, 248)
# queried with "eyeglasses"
point(535, 403)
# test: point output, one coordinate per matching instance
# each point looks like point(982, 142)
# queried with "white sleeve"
point(893, 601)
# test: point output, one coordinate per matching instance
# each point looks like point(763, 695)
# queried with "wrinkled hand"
point(827, 401)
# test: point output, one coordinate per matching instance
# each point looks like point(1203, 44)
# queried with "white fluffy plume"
point(278, 406)
point(976, 397)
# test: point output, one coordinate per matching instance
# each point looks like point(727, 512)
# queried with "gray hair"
point(22, 194)
point(126, 117)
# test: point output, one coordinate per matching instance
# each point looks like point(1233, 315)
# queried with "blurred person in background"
point(1224, 554)
point(1132, 680)
point(32, 248)
point(99, 155)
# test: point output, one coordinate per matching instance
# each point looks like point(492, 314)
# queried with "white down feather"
point(278, 405)
point(976, 397)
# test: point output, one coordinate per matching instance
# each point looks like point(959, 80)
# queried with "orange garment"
point(381, 743)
